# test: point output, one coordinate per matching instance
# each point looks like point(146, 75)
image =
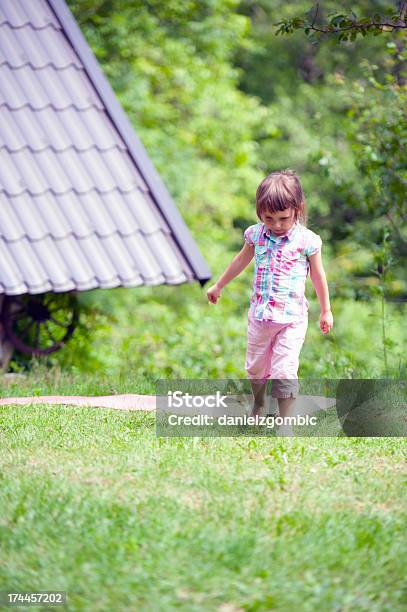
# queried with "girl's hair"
point(281, 190)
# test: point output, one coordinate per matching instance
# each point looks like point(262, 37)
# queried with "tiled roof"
point(81, 205)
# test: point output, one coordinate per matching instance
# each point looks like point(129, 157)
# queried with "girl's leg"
point(284, 368)
point(285, 406)
point(258, 356)
point(259, 396)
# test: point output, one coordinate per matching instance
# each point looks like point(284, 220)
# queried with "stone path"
point(306, 404)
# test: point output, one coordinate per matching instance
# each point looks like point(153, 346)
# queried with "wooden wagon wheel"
point(40, 324)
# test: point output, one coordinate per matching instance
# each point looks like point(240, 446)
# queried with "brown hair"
point(279, 191)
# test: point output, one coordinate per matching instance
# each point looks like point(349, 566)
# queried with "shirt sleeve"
point(248, 235)
point(314, 244)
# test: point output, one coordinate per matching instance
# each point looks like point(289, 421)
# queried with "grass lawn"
point(93, 503)
point(44, 380)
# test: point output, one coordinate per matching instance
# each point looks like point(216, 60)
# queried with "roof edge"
point(138, 153)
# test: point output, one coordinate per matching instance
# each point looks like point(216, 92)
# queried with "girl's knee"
point(256, 373)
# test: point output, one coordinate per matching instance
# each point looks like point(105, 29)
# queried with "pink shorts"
point(273, 351)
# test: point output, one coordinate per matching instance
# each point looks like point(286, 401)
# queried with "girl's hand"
point(326, 321)
point(213, 293)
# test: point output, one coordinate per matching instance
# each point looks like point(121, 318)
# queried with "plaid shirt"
point(281, 269)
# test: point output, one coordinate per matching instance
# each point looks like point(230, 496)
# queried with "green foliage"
point(375, 129)
point(378, 132)
point(170, 66)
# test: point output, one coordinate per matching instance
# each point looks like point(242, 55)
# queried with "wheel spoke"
point(64, 325)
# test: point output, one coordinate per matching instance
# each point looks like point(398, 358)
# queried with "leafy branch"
point(346, 27)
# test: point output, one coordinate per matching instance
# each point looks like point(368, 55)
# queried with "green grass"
point(93, 503)
point(42, 379)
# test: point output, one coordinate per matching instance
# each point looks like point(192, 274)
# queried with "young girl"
point(285, 251)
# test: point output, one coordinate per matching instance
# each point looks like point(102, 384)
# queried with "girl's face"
point(279, 222)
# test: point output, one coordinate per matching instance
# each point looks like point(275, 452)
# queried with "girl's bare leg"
point(259, 395)
point(285, 407)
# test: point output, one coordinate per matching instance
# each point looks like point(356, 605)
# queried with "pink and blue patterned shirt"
point(281, 269)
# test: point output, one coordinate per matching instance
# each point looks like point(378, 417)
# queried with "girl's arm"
point(318, 278)
point(236, 266)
